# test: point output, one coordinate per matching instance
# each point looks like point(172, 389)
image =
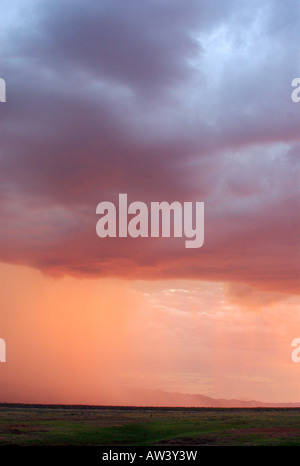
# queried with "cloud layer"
point(163, 101)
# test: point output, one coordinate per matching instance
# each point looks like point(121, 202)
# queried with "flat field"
point(112, 426)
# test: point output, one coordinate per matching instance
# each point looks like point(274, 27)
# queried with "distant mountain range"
point(160, 398)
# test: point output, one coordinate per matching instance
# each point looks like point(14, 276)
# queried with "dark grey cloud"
point(164, 101)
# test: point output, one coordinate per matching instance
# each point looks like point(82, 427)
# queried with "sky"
point(164, 101)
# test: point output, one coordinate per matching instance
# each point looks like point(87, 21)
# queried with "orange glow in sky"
point(93, 340)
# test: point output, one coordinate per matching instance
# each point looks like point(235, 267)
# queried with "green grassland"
point(109, 426)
